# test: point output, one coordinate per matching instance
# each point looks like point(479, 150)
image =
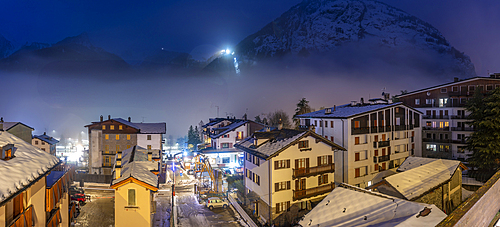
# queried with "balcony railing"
point(436, 140)
point(72, 212)
point(330, 168)
point(373, 129)
point(384, 143)
point(307, 193)
point(23, 219)
point(107, 164)
point(459, 141)
point(382, 128)
point(54, 219)
point(436, 128)
point(436, 117)
point(364, 130)
point(468, 129)
point(399, 127)
point(458, 117)
point(108, 152)
point(384, 158)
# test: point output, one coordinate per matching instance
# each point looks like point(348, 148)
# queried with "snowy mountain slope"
point(321, 26)
point(6, 47)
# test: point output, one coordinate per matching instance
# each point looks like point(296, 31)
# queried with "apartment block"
point(378, 136)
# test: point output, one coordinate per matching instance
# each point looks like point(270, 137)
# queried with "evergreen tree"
point(257, 119)
point(197, 138)
point(485, 141)
point(277, 118)
point(302, 108)
point(191, 136)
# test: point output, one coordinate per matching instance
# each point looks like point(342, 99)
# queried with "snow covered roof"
point(416, 181)
point(223, 130)
point(9, 125)
point(352, 206)
point(29, 164)
point(413, 162)
point(48, 139)
point(461, 81)
point(135, 164)
point(347, 110)
point(277, 141)
point(152, 128)
point(125, 122)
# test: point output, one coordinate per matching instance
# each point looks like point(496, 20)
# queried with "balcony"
point(436, 140)
point(306, 172)
point(364, 130)
point(382, 128)
point(373, 129)
point(23, 219)
point(107, 164)
point(384, 143)
point(399, 127)
point(108, 152)
point(466, 129)
point(436, 128)
point(458, 117)
point(436, 117)
point(384, 158)
point(463, 141)
point(307, 193)
point(55, 218)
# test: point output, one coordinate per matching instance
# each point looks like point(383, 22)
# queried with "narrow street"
point(99, 211)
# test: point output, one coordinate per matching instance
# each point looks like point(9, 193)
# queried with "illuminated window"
point(131, 197)
point(300, 163)
point(149, 137)
point(106, 136)
point(356, 124)
point(441, 124)
point(117, 137)
point(120, 127)
point(128, 137)
point(149, 147)
point(103, 127)
point(112, 127)
point(128, 146)
point(447, 124)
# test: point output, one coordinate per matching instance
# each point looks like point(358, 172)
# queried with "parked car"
point(81, 198)
point(216, 202)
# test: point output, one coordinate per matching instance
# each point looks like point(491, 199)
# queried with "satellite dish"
point(428, 93)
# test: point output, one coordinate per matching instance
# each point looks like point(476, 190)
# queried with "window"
point(331, 124)
point(36, 142)
point(303, 144)
point(106, 136)
point(331, 138)
point(361, 155)
point(356, 140)
point(103, 127)
point(376, 167)
point(128, 137)
point(320, 123)
point(43, 149)
point(280, 186)
point(225, 160)
point(441, 124)
point(356, 172)
point(443, 102)
point(489, 87)
point(120, 127)
point(446, 113)
point(225, 136)
point(324, 160)
point(117, 137)
point(446, 124)
point(43, 143)
point(356, 124)
point(443, 90)
point(463, 100)
point(375, 153)
point(106, 148)
point(429, 101)
point(417, 101)
point(326, 124)
point(256, 160)
point(323, 179)
point(431, 147)
point(128, 146)
point(359, 172)
point(112, 127)
point(471, 87)
point(282, 164)
point(249, 174)
point(149, 147)
point(239, 135)
point(117, 148)
point(301, 163)
point(454, 88)
point(226, 145)
point(249, 157)
point(256, 179)
point(428, 123)
point(315, 123)
point(131, 197)
point(280, 207)
point(149, 137)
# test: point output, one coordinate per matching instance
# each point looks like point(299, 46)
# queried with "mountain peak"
point(6, 47)
point(81, 39)
point(322, 26)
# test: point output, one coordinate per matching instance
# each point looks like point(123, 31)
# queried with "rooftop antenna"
point(217, 111)
point(142, 119)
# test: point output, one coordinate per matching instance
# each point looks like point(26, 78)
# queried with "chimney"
point(334, 107)
point(455, 79)
point(129, 119)
point(362, 101)
point(44, 133)
point(1, 124)
point(101, 118)
point(109, 117)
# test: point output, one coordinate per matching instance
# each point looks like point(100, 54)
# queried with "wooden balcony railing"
point(305, 172)
point(55, 192)
point(55, 218)
point(307, 193)
point(72, 212)
point(23, 219)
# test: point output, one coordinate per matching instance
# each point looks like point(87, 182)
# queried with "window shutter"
point(277, 207)
point(296, 163)
point(275, 164)
point(330, 160)
point(356, 156)
point(319, 160)
point(296, 184)
point(319, 180)
point(287, 204)
point(307, 163)
point(288, 163)
point(276, 187)
point(288, 185)
point(325, 180)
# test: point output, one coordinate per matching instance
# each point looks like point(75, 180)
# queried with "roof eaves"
point(445, 84)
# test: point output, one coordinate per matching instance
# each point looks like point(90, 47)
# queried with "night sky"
point(133, 29)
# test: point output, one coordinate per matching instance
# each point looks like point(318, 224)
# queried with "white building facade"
point(378, 137)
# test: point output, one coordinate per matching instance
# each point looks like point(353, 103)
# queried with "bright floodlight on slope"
point(228, 51)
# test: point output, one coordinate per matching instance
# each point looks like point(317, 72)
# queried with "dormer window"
point(8, 152)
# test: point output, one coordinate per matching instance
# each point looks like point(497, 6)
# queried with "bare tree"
point(279, 117)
